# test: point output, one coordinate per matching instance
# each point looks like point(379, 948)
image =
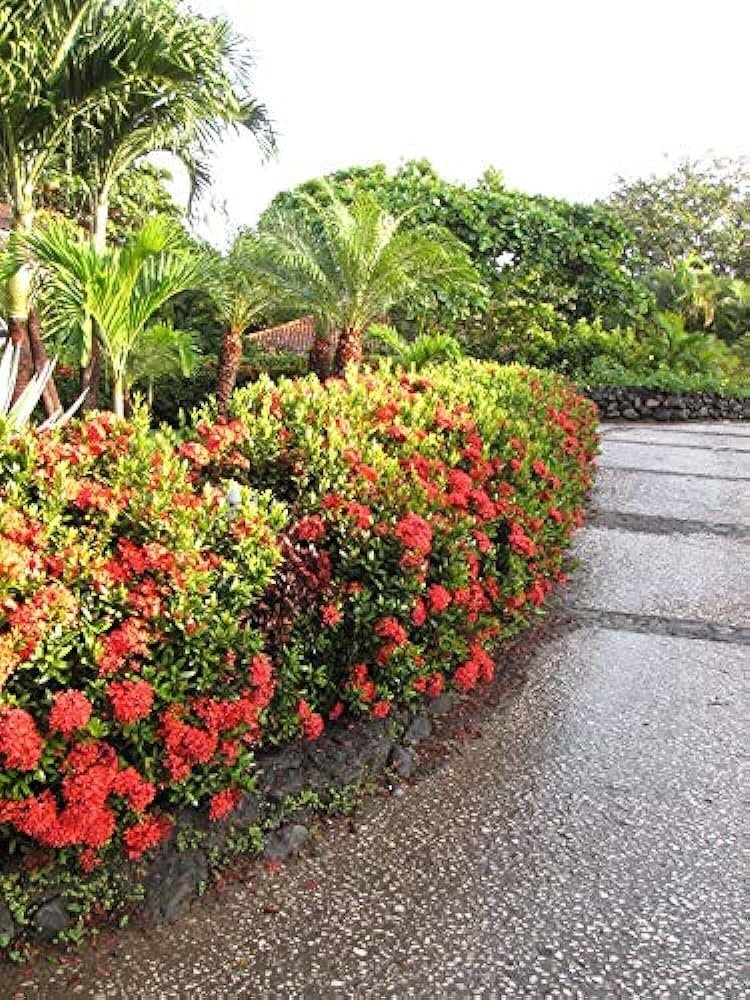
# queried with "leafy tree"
point(163, 352)
point(699, 209)
point(537, 252)
point(349, 265)
point(116, 292)
point(706, 301)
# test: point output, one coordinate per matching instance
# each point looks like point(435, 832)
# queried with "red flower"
point(439, 598)
point(419, 613)
point(312, 723)
point(466, 675)
point(330, 615)
point(381, 709)
point(131, 700)
point(127, 639)
point(414, 533)
point(336, 711)
point(139, 792)
point(144, 835)
point(310, 529)
point(71, 711)
point(20, 742)
point(261, 670)
point(393, 631)
point(223, 803)
point(435, 685)
point(520, 542)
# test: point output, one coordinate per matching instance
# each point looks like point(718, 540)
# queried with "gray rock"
point(652, 403)
point(403, 761)
point(443, 704)
point(419, 729)
point(285, 842)
point(172, 882)
point(7, 925)
point(629, 413)
point(51, 918)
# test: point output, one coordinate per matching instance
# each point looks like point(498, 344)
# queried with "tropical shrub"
point(168, 603)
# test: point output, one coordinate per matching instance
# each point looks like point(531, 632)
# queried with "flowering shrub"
point(131, 679)
point(157, 623)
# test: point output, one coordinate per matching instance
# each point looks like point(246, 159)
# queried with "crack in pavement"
point(672, 472)
point(692, 447)
point(657, 524)
point(680, 628)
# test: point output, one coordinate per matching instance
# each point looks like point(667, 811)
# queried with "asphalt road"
point(586, 842)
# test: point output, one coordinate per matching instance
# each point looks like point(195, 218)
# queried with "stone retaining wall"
point(634, 403)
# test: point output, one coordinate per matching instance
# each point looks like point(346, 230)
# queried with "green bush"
point(171, 601)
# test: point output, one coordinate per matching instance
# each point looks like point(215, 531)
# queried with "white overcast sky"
point(560, 95)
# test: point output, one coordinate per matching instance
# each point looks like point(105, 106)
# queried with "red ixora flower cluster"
point(131, 700)
point(312, 722)
point(71, 711)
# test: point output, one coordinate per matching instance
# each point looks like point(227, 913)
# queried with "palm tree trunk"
point(230, 356)
point(320, 354)
point(91, 374)
point(19, 294)
point(91, 379)
point(118, 395)
point(50, 396)
point(348, 350)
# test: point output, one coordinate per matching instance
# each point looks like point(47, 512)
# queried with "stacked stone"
point(634, 403)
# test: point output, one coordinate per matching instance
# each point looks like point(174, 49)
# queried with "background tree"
point(531, 252)
point(349, 265)
point(699, 209)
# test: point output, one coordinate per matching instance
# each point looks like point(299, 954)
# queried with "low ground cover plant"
point(172, 601)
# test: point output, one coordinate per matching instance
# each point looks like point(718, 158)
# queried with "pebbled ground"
point(583, 839)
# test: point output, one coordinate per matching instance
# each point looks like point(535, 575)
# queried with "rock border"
point(293, 783)
point(637, 403)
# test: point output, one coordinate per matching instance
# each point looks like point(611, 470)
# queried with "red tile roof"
point(6, 218)
point(296, 336)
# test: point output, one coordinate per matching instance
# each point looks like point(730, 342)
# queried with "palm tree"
point(423, 350)
point(199, 92)
point(100, 82)
point(116, 292)
point(162, 351)
point(239, 297)
point(56, 66)
point(349, 265)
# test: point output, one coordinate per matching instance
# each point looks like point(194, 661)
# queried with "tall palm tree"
point(116, 292)
point(349, 265)
point(240, 297)
point(97, 83)
point(198, 87)
point(200, 91)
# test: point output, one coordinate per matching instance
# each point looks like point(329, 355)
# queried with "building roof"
point(296, 336)
point(6, 218)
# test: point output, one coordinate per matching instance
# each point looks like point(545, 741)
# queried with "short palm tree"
point(415, 354)
point(159, 352)
point(349, 265)
point(115, 293)
point(240, 297)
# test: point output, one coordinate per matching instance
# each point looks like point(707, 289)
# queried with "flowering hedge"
point(169, 603)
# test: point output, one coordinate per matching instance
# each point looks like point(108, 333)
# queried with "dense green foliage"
point(536, 251)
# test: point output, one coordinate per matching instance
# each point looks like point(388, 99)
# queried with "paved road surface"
point(586, 844)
